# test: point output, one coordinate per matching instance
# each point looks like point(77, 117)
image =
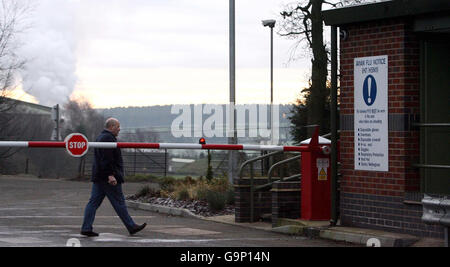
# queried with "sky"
point(118, 53)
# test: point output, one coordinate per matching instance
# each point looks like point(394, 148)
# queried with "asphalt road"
point(48, 213)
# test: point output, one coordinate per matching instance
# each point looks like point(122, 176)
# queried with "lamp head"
point(269, 23)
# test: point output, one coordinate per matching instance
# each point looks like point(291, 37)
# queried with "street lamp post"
point(271, 24)
point(232, 156)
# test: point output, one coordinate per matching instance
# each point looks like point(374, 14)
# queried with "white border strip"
point(179, 146)
point(13, 144)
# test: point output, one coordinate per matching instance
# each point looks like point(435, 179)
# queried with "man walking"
point(107, 178)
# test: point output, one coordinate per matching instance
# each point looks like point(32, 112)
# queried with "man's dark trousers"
point(117, 199)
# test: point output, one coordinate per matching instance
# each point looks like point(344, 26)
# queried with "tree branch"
point(332, 4)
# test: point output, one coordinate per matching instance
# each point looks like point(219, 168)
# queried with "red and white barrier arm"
point(77, 145)
point(31, 144)
point(43, 144)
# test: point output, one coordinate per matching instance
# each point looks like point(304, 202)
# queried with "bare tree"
point(80, 117)
point(16, 123)
point(303, 22)
point(13, 15)
point(149, 136)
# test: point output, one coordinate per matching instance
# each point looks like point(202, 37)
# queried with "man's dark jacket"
point(107, 161)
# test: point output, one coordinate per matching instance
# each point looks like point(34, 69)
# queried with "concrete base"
point(312, 229)
point(303, 223)
point(289, 230)
point(365, 237)
point(368, 237)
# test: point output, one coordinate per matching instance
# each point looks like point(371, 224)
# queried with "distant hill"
point(160, 119)
point(141, 117)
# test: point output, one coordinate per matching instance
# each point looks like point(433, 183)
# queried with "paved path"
point(40, 212)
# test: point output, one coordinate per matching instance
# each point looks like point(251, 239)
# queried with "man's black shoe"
point(138, 228)
point(89, 233)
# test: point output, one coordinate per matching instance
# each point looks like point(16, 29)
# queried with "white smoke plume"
point(49, 47)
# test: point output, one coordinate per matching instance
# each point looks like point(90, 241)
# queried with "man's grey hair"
point(111, 122)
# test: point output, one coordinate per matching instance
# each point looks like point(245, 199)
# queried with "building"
point(394, 112)
point(10, 105)
point(14, 111)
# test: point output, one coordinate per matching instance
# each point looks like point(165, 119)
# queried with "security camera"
point(269, 23)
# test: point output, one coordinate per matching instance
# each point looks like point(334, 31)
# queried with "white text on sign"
point(75, 145)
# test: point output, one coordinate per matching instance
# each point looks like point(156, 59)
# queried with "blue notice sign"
point(370, 90)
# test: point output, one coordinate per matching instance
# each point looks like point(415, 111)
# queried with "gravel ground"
point(195, 206)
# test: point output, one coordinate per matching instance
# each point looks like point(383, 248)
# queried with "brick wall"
point(282, 200)
point(376, 199)
point(286, 201)
point(262, 200)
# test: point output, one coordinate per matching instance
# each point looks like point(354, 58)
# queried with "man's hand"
point(112, 180)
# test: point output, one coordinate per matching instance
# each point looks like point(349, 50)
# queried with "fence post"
point(84, 167)
point(262, 163)
point(165, 162)
point(252, 203)
point(26, 166)
point(134, 163)
point(80, 168)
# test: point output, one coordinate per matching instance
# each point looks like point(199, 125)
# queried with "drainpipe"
point(333, 122)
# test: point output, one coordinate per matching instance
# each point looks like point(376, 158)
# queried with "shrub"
point(217, 193)
point(147, 191)
point(167, 183)
point(216, 200)
point(201, 192)
point(209, 171)
point(182, 191)
point(143, 192)
point(189, 181)
point(164, 193)
point(230, 196)
point(219, 185)
point(182, 194)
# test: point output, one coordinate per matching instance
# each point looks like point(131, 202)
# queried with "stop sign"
point(76, 145)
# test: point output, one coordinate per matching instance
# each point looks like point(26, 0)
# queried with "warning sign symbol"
point(322, 174)
point(322, 168)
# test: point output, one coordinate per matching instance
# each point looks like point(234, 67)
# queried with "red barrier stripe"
point(223, 147)
point(46, 144)
point(137, 145)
